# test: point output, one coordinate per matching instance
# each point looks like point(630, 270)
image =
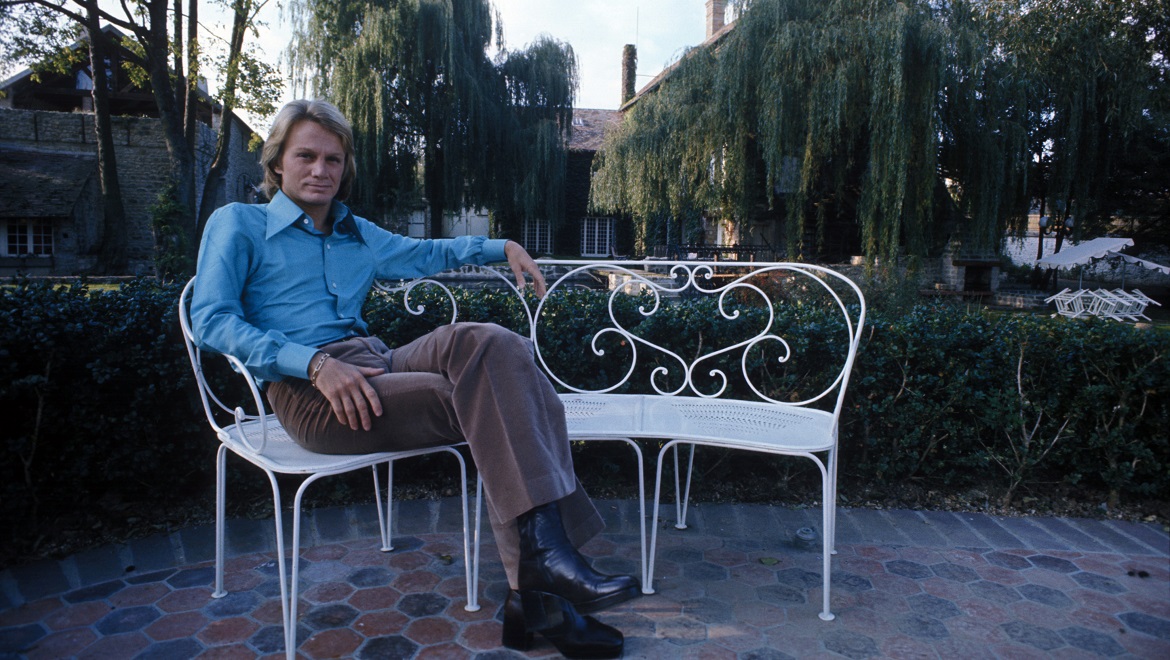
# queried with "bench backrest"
point(782, 333)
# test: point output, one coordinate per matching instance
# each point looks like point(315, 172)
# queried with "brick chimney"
point(716, 13)
point(629, 71)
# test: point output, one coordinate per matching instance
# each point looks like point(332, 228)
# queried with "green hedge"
point(101, 400)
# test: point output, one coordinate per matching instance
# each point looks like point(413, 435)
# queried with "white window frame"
point(596, 237)
point(538, 236)
point(32, 238)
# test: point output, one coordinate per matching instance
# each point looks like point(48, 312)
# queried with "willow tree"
point(823, 108)
point(902, 123)
point(1092, 78)
point(419, 83)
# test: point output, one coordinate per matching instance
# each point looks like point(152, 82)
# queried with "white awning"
point(1165, 270)
point(1084, 253)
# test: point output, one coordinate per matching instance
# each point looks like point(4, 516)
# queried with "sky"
point(596, 29)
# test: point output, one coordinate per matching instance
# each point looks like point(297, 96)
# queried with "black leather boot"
point(550, 564)
point(573, 635)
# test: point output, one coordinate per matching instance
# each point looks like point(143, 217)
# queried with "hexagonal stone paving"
point(1044, 595)
point(753, 598)
point(954, 572)
point(422, 604)
point(1007, 560)
point(336, 615)
point(939, 608)
point(994, 592)
point(1055, 564)
point(1099, 583)
point(1033, 635)
point(910, 569)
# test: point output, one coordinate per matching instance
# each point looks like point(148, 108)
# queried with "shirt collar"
point(283, 212)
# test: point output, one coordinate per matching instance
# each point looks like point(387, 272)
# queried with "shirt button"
point(335, 285)
point(305, 221)
point(328, 247)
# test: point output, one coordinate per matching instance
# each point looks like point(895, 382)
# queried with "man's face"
point(311, 167)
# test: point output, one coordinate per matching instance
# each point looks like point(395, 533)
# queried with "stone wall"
point(143, 170)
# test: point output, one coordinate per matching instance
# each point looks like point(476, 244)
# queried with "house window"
point(537, 236)
point(596, 237)
point(28, 237)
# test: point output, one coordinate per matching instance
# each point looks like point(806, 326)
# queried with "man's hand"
point(352, 397)
point(521, 263)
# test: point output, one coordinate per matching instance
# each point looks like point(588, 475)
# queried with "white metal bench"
point(731, 379)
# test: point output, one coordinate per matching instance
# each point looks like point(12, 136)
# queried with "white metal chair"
point(1135, 303)
point(677, 407)
point(1073, 304)
point(1105, 304)
point(258, 438)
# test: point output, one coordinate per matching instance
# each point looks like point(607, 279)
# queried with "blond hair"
point(320, 112)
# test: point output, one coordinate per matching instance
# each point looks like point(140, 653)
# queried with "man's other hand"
point(521, 263)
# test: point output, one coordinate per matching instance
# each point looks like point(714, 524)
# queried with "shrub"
point(102, 389)
point(102, 401)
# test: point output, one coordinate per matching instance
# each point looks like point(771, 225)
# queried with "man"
point(281, 285)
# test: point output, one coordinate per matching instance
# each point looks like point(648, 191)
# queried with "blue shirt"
point(271, 288)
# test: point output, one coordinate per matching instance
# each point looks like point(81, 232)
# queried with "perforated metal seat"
point(739, 423)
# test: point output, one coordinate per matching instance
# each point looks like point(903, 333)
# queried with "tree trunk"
point(170, 113)
point(219, 164)
point(112, 258)
point(435, 188)
point(191, 92)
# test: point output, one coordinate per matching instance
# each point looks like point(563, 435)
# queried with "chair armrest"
point(240, 416)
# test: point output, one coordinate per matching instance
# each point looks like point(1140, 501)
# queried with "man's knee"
point(493, 338)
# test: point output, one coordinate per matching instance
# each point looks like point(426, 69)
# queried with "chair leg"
point(830, 532)
point(827, 516)
point(682, 498)
point(388, 522)
point(383, 529)
point(470, 562)
point(474, 586)
point(673, 444)
point(220, 512)
point(287, 606)
point(647, 588)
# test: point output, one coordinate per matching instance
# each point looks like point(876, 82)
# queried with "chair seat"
point(283, 455)
point(768, 427)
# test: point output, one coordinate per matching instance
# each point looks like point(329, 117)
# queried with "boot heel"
point(516, 633)
point(573, 635)
point(541, 611)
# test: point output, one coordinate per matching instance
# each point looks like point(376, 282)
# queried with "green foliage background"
point(101, 401)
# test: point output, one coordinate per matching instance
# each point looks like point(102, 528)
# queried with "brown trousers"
point(465, 381)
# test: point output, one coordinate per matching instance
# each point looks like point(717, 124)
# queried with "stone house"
point(578, 232)
point(754, 238)
point(50, 204)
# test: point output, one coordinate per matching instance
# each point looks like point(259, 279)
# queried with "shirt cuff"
point(493, 250)
point(293, 360)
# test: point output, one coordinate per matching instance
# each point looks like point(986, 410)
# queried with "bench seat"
point(768, 427)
